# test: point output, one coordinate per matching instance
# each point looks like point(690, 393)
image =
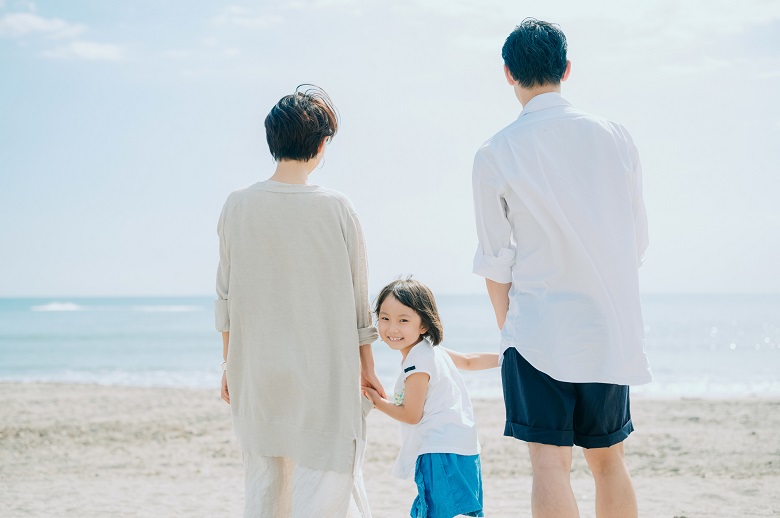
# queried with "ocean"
point(698, 345)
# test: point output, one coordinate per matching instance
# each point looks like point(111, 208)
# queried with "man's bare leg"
point(615, 497)
point(552, 496)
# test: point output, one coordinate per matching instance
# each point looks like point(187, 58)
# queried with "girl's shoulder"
point(422, 358)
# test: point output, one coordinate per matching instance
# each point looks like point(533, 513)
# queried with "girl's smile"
point(399, 326)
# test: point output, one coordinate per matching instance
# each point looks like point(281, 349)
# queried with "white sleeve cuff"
point(496, 268)
point(221, 315)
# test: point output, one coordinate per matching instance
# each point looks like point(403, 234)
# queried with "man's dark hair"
point(417, 296)
point(296, 126)
point(535, 53)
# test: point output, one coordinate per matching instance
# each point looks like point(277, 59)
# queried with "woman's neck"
point(294, 171)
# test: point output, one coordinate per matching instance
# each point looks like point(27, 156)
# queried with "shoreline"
point(95, 450)
point(655, 396)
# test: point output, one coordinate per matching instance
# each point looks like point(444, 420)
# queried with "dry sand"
point(86, 450)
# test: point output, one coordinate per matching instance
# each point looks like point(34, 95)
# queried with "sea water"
point(698, 345)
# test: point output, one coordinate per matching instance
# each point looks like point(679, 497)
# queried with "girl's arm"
point(411, 410)
point(473, 361)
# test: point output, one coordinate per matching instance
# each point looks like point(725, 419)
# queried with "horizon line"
point(446, 294)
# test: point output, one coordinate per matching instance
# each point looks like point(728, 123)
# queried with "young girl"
point(439, 443)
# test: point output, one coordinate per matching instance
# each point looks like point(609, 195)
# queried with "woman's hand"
point(369, 379)
point(371, 394)
point(225, 393)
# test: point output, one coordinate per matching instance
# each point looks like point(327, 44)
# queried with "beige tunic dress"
point(292, 291)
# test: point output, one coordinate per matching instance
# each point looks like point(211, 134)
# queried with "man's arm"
point(499, 297)
point(495, 254)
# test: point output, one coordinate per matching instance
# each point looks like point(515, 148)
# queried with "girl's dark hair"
point(295, 127)
point(416, 295)
point(535, 53)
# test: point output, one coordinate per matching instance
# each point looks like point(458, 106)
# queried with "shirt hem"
point(614, 380)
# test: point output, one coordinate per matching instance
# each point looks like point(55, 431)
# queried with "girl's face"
point(399, 326)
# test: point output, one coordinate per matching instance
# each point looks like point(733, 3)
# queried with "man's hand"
point(225, 393)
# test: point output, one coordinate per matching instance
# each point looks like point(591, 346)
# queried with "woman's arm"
point(368, 377)
point(473, 361)
point(358, 262)
point(225, 341)
point(221, 307)
point(411, 410)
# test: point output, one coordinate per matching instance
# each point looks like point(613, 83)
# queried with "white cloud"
point(21, 24)
point(241, 17)
point(354, 7)
point(211, 41)
point(16, 25)
point(86, 50)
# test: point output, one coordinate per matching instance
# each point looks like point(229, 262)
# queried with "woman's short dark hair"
point(535, 53)
point(296, 126)
point(417, 296)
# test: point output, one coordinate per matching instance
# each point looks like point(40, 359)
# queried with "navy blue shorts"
point(543, 410)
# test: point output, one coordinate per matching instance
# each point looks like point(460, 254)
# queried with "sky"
point(124, 126)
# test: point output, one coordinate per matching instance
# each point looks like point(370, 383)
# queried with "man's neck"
point(524, 95)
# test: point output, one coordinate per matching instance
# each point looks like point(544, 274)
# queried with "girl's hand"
point(371, 394)
point(370, 379)
point(225, 393)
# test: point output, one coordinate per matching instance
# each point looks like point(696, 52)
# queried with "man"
point(562, 231)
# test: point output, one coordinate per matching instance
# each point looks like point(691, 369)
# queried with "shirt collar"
point(544, 101)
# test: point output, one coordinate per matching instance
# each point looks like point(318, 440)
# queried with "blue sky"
point(124, 125)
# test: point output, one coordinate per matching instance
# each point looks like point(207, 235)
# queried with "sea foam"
point(58, 306)
point(167, 309)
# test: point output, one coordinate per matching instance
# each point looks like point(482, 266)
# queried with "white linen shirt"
point(560, 215)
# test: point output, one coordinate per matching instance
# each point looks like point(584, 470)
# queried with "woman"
point(292, 306)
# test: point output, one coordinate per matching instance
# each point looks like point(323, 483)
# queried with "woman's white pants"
point(276, 487)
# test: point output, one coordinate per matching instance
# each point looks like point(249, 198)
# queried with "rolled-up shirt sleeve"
point(358, 260)
point(221, 306)
point(495, 253)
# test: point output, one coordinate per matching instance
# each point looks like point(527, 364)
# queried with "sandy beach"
point(88, 450)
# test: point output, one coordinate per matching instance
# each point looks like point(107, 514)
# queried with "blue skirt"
point(448, 485)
